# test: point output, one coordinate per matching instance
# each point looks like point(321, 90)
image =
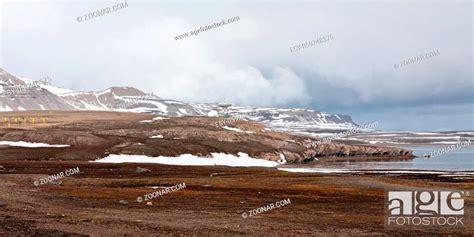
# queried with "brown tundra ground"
point(102, 198)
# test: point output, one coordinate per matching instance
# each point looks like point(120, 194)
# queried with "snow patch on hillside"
point(28, 144)
point(242, 160)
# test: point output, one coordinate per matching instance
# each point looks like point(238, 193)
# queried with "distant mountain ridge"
point(129, 99)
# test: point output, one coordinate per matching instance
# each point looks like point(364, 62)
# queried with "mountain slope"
point(129, 99)
point(19, 94)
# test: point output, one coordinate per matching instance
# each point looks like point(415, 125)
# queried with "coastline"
point(103, 196)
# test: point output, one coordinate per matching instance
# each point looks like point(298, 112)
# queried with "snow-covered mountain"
point(129, 99)
point(21, 94)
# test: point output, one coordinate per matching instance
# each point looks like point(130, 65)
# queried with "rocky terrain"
point(92, 135)
point(102, 201)
point(103, 198)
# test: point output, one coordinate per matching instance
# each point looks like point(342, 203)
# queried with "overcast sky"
point(249, 62)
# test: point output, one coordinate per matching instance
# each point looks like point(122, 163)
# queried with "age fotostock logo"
point(425, 208)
